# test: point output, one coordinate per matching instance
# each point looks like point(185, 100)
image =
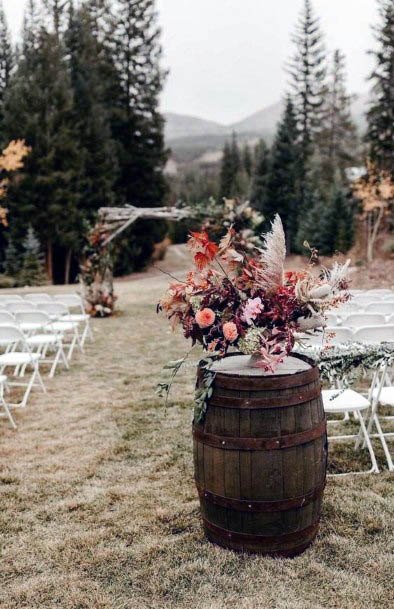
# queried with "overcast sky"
point(226, 57)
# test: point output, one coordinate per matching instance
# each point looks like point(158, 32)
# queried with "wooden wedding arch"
point(96, 275)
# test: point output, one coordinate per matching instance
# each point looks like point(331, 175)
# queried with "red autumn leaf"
point(211, 249)
point(197, 240)
point(201, 260)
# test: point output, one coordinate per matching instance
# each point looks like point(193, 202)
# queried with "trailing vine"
point(204, 390)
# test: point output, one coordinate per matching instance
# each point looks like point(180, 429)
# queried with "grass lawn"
point(98, 508)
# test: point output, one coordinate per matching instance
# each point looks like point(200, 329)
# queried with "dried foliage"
point(375, 191)
point(11, 159)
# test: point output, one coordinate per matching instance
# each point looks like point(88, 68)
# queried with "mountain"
point(190, 137)
point(181, 125)
point(263, 121)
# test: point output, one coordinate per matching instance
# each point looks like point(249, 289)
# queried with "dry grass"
point(98, 508)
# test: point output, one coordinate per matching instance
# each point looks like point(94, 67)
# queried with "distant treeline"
point(305, 176)
point(82, 89)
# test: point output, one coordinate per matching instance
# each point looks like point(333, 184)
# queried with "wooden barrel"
point(260, 456)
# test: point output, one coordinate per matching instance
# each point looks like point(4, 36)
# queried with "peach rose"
point(230, 331)
point(205, 318)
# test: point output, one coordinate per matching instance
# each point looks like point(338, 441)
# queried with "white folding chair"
point(381, 306)
point(3, 403)
point(389, 297)
point(74, 301)
point(12, 299)
point(380, 292)
point(340, 334)
point(381, 394)
point(362, 300)
point(38, 325)
point(373, 335)
point(17, 307)
point(359, 320)
point(59, 323)
point(377, 293)
point(390, 320)
point(7, 318)
point(19, 356)
point(31, 321)
point(347, 309)
point(38, 297)
point(332, 320)
point(345, 401)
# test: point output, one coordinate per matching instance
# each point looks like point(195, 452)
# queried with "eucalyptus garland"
point(350, 360)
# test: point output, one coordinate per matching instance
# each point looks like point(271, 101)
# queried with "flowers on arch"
point(245, 300)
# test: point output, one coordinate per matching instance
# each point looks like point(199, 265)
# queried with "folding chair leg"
point(368, 442)
point(384, 443)
point(72, 346)
point(39, 378)
point(59, 354)
point(29, 387)
point(7, 412)
point(64, 357)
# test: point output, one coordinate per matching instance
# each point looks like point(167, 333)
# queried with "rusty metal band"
point(242, 382)
point(276, 443)
point(277, 401)
point(248, 505)
point(294, 550)
point(250, 538)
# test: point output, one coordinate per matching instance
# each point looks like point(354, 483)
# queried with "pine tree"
point(137, 123)
point(88, 68)
point(13, 259)
point(380, 134)
point(57, 12)
point(282, 194)
point(337, 140)
point(39, 108)
point(328, 226)
point(258, 195)
point(231, 179)
point(307, 69)
point(247, 161)
point(32, 271)
point(6, 63)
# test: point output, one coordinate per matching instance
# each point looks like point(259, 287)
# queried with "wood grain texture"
point(260, 460)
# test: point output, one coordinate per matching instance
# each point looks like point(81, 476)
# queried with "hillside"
point(190, 137)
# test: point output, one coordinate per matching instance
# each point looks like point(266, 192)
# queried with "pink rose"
point(205, 318)
point(230, 331)
point(253, 307)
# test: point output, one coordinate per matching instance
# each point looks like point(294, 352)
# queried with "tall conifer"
point(307, 70)
point(380, 135)
point(258, 195)
point(137, 122)
point(337, 139)
point(282, 192)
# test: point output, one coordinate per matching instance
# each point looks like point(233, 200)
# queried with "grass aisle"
point(98, 508)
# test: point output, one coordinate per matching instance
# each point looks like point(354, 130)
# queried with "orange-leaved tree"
point(11, 159)
point(375, 191)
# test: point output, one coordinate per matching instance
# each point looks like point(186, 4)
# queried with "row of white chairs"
point(364, 408)
point(358, 320)
point(375, 293)
point(34, 332)
point(386, 307)
point(338, 335)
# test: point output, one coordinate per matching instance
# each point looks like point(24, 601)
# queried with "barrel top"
point(240, 365)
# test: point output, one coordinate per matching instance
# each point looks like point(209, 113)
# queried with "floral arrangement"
point(243, 299)
point(96, 277)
